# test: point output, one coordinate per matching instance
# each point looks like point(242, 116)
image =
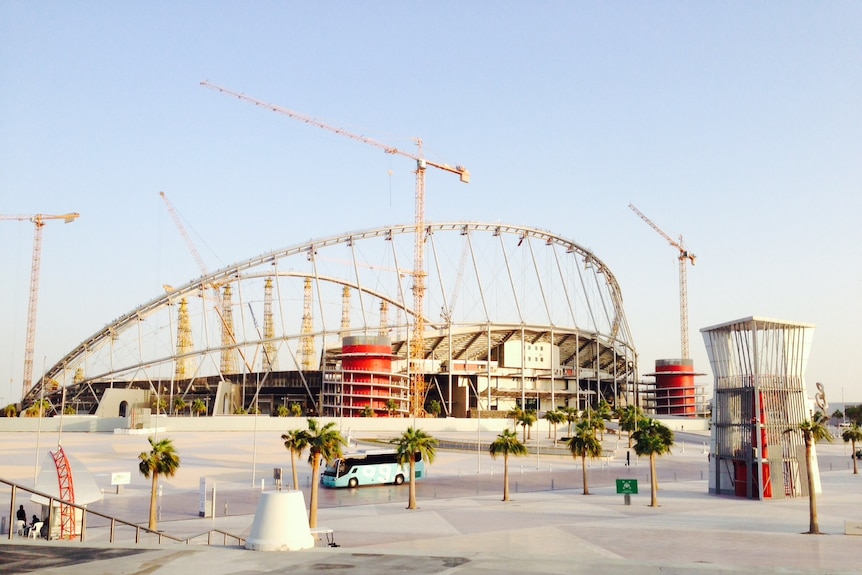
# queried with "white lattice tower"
point(228, 353)
point(345, 313)
point(306, 350)
point(184, 341)
point(270, 359)
point(384, 317)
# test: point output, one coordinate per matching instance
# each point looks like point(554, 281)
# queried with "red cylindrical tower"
point(674, 387)
point(366, 363)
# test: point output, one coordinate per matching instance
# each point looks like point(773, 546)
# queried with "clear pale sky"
point(736, 124)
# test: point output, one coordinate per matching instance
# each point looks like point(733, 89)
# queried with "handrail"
point(113, 520)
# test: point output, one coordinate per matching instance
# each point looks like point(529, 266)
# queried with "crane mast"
point(417, 342)
point(684, 257)
point(38, 221)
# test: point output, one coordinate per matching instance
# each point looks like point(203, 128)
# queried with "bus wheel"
point(399, 479)
point(353, 482)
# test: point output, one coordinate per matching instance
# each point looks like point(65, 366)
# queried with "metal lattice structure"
point(537, 320)
point(759, 368)
point(67, 493)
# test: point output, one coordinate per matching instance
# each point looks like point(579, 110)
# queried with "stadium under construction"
point(507, 316)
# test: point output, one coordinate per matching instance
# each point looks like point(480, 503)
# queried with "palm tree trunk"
point(653, 482)
point(315, 480)
point(411, 501)
point(584, 467)
point(294, 473)
point(505, 476)
point(154, 495)
point(813, 524)
point(853, 455)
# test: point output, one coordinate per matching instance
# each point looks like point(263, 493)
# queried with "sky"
point(735, 124)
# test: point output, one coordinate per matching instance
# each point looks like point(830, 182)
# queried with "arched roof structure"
point(484, 282)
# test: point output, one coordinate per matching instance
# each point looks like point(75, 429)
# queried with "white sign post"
point(121, 478)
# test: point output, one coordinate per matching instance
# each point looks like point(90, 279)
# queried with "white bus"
point(369, 468)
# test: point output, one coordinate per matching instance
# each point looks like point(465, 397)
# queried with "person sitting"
point(21, 515)
point(33, 523)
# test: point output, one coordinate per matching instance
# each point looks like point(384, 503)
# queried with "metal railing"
point(112, 522)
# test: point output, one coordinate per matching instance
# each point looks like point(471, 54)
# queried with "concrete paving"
point(461, 527)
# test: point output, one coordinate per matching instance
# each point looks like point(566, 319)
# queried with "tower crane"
point(38, 220)
point(417, 343)
point(685, 256)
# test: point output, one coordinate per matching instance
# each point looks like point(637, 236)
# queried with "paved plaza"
point(462, 526)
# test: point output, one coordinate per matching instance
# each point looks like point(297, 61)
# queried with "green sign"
point(627, 486)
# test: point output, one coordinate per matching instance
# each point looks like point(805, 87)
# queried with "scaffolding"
point(759, 367)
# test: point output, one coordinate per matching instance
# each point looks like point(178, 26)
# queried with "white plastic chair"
point(36, 530)
point(19, 526)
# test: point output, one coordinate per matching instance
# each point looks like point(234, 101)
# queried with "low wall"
point(352, 426)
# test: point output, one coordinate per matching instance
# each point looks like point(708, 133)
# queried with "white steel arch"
point(511, 281)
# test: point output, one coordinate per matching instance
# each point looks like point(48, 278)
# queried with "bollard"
point(225, 508)
point(261, 483)
point(3, 526)
point(552, 484)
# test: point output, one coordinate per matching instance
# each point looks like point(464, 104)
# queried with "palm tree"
point(198, 407)
point(603, 413)
point(515, 415)
point(507, 443)
point(435, 408)
point(295, 441)
point(324, 443)
point(411, 443)
point(584, 444)
point(179, 404)
point(38, 409)
point(159, 404)
point(526, 420)
point(652, 438)
point(629, 417)
point(295, 409)
point(554, 418)
point(852, 435)
point(162, 459)
point(391, 407)
point(571, 414)
point(597, 422)
point(813, 430)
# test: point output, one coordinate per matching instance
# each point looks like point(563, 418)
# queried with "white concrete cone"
point(280, 523)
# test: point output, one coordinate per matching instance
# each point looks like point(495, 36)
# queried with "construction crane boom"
point(684, 257)
point(462, 172)
point(417, 343)
point(189, 243)
point(38, 221)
